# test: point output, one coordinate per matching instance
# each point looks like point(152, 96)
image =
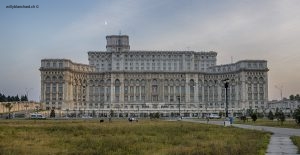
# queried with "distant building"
point(142, 82)
point(285, 105)
point(19, 106)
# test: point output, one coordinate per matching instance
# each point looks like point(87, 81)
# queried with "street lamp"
point(280, 89)
point(27, 92)
point(178, 97)
point(226, 84)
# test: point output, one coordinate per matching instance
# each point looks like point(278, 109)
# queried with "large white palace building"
point(142, 82)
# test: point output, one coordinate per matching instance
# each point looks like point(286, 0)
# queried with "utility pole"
point(280, 88)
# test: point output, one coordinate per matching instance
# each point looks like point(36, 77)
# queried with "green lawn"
point(273, 123)
point(122, 137)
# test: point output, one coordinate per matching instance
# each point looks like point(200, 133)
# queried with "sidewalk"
point(280, 142)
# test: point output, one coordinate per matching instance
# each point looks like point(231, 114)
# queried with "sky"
point(236, 30)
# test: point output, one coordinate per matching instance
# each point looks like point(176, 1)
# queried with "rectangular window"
point(166, 89)
point(137, 90)
point(166, 98)
point(143, 89)
point(131, 90)
point(182, 89)
point(60, 89)
point(54, 88)
point(126, 90)
point(177, 90)
point(117, 90)
point(172, 90)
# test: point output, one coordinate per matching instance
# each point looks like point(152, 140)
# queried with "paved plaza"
point(280, 142)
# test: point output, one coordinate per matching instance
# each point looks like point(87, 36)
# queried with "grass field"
point(273, 123)
point(122, 137)
point(296, 141)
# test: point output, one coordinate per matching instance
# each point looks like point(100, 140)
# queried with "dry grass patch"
point(296, 141)
point(122, 137)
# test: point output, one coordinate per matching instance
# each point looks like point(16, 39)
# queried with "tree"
point(296, 115)
point(17, 98)
point(221, 114)
point(254, 117)
point(249, 112)
point(52, 114)
point(292, 97)
point(156, 115)
point(9, 106)
point(297, 97)
point(271, 115)
point(2, 97)
point(24, 98)
point(277, 113)
point(111, 114)
point(281, 117)
point(243, 118)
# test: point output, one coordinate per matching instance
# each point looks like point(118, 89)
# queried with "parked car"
point(37, 116)
point(214, 116)
point(131, 119)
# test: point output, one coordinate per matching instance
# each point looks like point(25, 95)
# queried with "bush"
point(271, 115)
point(243, 118)
point(296, 115)
point(52, 113)
point(281, 117)
point(254, 117)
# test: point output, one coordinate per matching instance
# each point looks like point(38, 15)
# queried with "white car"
point(37, 116)
point(213, 116)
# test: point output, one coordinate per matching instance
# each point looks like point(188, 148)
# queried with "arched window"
point(54, 78)
point(171, 83)
point(131, 82)
point(166, 82)
point(154, 82)
point(182, 82)
point(177, 82)
point(101, 82)
point(126, 83)
point(47, 78)
point(108, 82)
point(249, 79)
point(143, 82)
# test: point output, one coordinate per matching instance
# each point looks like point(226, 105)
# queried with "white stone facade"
point(285, 105)
point(144, 82)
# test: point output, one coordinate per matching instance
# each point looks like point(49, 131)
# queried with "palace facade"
point(137, 82)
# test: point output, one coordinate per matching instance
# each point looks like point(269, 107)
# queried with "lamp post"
point(27, 92)
point(178, 97)
point(226, 84)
